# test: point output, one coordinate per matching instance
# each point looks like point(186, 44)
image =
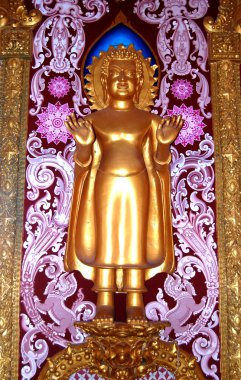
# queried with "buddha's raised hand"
point(81, 130)
point(168, 129)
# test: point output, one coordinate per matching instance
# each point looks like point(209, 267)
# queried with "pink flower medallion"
point(59, 87)
point(193, 125)
point(51, 122)
point(182, 89)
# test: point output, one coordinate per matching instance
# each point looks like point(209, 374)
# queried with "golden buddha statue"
point(120, 230)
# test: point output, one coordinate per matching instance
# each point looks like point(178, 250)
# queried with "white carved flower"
point(182, 89)
point(59, 87)
point(51, 122)
point(193, 124)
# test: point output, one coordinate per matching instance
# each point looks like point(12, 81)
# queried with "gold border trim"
point(15, 55)
point(225, 56)
point(224, 51)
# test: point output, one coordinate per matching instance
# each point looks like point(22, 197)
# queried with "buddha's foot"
point(135, 314)
point(104, 313)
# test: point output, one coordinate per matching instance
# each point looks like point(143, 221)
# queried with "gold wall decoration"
point(15, 42)
point(225, 57)
point(15, 55)
point(224, 50)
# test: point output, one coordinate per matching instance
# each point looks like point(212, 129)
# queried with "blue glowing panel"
point(120, 34)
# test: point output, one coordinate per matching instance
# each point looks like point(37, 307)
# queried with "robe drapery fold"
point(146, 244)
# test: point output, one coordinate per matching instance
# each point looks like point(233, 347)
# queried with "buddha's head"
point(122, 74)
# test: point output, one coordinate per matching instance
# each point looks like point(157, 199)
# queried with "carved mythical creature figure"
point(120, 225)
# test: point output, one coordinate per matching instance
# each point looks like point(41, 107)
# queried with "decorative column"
point(15, 54)
point(225, 57)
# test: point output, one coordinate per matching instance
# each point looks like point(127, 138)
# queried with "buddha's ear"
point(103, 79)
point(138, 90)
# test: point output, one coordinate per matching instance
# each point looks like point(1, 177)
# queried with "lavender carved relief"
point(51, 122)
point(46, 222)
point(181, 45)
point(193, 219)
point(59, 44)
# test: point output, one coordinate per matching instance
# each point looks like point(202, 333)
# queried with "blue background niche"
point(119, 34)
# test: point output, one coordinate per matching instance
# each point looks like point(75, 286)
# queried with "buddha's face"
point(122, 79)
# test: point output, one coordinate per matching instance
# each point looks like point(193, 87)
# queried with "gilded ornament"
point(120, 351)
point(27, 20)
point(4, 17)
point(237, 18)
point(12, 79)
point(225, 44)
point(224, 21)
point(14, 14)
point(225, 59)
point(15, 44)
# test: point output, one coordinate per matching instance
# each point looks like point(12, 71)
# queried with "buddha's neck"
point(121, 105)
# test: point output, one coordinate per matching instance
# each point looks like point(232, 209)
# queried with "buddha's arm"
point(83, 154)
point(83, 134)
point(164, 132)
point(163, 154)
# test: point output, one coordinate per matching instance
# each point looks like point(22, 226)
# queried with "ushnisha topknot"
point(123, 53)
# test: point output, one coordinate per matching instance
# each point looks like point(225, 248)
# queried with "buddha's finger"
point(176, 119)
point(81, 123)
point(71, 117)
point(172, 121)
point(90, 130)
point(74, 120)
point(71, 125)
point(180, 123)
point(179, 117)
point(162, 121)
point(88, 125)
point(66, 122)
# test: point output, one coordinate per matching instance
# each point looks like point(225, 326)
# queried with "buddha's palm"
point(81, 130)
point(168, 129)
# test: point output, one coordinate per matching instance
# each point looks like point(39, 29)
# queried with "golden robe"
point(129, 225)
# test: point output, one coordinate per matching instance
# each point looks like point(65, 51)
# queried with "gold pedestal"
point(121, 351)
